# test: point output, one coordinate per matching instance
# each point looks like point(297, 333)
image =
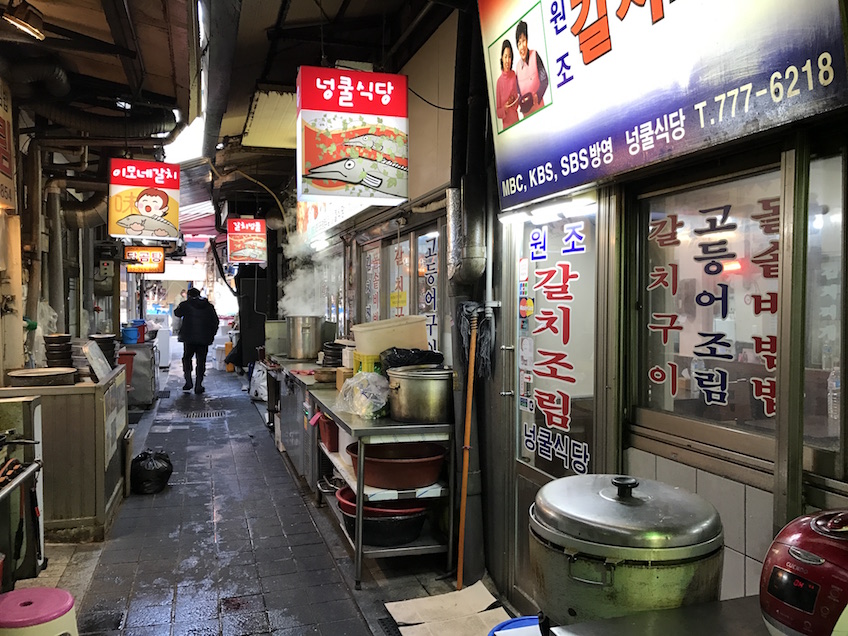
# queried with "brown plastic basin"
point(401, 465)
point(395, 508)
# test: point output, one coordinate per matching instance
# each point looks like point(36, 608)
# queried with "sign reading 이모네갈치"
point(144, 199)
point(592, 88)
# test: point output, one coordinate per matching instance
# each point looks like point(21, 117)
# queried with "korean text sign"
point(144, 199)
point(588, 89)
point(7, 149)
point(144, 260)
point(352, 136)
point(247, 241)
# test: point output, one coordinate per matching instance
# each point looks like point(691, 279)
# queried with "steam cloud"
point(304, 292)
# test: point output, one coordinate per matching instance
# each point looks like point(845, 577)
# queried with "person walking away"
point(197, 332)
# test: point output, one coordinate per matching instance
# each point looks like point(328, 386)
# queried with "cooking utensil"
point(54, 376)
point(57, 338)
point(401, 465)
point(802, 580)
point(304, 336)
point(603, 546)
point(421, 393)
point(386, 531)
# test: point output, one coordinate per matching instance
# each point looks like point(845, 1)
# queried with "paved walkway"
point(234, 545)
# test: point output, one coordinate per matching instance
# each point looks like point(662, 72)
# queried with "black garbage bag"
point(150, 472)
point(396, 357)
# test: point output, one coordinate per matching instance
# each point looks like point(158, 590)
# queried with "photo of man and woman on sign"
point(517, 61)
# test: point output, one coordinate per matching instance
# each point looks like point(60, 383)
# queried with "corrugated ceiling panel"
point(272, 121)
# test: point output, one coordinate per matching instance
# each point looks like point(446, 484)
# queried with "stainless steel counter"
point(736, 617)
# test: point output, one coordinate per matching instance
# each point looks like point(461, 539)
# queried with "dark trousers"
point(198, 351)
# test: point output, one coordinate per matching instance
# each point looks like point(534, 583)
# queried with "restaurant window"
point(825, 270)
point(710, 294)
point(711, 301)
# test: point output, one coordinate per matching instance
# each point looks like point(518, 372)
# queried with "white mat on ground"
point(460, 613)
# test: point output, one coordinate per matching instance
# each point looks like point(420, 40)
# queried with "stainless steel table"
point(736, 617)
point(381, 431)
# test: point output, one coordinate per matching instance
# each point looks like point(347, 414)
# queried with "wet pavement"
point(234, 545)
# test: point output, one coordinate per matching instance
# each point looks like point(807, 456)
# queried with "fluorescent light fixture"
point(26, 18)
point(513, 217)
point(545, 215)
point(433, 234)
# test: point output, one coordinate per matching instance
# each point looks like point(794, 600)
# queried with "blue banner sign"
point(582, 90)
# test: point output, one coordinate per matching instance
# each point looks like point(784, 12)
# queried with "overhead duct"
point(88, 213)
point(106, 126)
point(22, 73)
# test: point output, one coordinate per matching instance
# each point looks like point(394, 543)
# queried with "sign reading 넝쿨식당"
point(584, 90)
point(352, 136)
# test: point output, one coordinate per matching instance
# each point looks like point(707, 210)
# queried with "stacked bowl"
point(59, 350)
point(106, 342)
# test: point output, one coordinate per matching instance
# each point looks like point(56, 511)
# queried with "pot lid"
point(624, 511)
point(421, 371)
point(832, 524)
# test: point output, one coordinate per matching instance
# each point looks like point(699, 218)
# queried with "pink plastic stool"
point(37, 611)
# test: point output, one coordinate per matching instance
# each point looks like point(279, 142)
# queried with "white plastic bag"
point(365, 395)
point(259, 384)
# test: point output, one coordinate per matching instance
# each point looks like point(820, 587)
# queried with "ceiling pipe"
point(103, 142)
point(56, 257)
point(88, 213)
point(223, 16)
point(118, 127)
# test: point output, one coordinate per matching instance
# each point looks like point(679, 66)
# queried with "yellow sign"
point(397, 299)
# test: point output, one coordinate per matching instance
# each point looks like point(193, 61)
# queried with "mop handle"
point(465, 452)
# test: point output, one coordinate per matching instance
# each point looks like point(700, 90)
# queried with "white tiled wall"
point(746, 514)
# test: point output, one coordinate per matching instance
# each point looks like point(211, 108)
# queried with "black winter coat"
point(199, 321)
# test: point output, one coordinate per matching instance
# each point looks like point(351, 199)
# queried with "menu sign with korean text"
point(247, 241)
point(144, 260)
point(144, 199)
point(7, 149)
point(316, 217)
point(712, 302)
point(556, 327)
point(352, 136)
point(371, 262)
point(584, 90)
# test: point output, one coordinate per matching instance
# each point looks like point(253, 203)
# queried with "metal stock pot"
point(421, 393)
point(603, 546)
point(304, 336)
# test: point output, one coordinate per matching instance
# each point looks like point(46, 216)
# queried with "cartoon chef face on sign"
point(152, 202)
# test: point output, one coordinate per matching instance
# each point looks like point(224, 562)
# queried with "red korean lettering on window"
point(556, 292)
point(657, 11)
point(548, 321)
point(557, 408)
point(554, 366)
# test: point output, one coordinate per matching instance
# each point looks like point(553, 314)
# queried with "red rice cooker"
point(804, 582)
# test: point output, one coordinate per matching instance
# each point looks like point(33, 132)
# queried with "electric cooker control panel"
point(803, 590)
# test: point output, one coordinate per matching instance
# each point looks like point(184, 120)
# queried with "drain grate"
point(205, 415)
point(389, 626)
point(165, 393)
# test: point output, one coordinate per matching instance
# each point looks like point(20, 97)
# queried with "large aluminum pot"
point(304, 336)
point(603, 546)
point(421, 393)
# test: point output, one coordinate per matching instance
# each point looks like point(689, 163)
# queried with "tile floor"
point(234, 545)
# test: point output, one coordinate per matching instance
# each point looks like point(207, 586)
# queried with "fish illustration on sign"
point(389, 146)
point(383, 175)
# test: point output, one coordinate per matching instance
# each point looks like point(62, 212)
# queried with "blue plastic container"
point(129, 335)
point(515, 623)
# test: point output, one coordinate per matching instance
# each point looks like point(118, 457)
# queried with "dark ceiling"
point(98, 53)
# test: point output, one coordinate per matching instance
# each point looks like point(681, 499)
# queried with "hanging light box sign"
point(141, 259)
point(247, 241)
point(352, 141)
point(144, 199)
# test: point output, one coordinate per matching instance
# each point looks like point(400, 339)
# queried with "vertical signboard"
point(399, 279)
point(247, 241)
point(585, 90)
point(371, 262)
point(556, 327)
point(7, 149)
point(428, 285)
point(352, 136)
point(144, 199)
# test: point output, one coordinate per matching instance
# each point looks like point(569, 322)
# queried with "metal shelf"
point(426, 543)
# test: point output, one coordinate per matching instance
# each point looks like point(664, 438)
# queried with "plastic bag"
point(395, 357)
point(365, 395)
point(150, 472)
point(259, 384)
